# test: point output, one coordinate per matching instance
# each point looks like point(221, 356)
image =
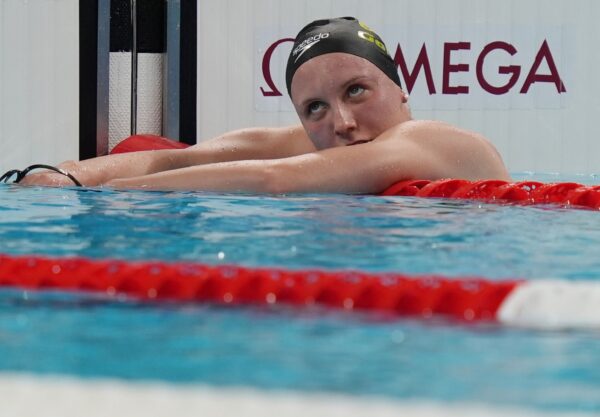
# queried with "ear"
point(405, 96)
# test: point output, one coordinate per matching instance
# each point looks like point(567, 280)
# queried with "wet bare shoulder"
point(461, 152)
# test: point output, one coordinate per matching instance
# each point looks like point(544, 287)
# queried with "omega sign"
point(486, 75)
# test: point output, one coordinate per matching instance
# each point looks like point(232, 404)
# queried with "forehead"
point(328, 71)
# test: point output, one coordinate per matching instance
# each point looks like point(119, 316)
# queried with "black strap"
point(21, 174)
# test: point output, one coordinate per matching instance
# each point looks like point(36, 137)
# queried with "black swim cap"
point(342, 34)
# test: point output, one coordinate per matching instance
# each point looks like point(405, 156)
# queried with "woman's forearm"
point(99, 170)
point(334, 170)
point(247, 144)
point(249, 176)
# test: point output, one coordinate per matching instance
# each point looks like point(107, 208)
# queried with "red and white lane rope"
point(541, 304)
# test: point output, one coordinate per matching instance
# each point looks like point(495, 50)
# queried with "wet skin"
point(344, 99)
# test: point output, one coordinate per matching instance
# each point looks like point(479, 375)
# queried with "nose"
point(344, 122)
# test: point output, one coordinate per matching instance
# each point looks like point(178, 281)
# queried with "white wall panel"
point(540, 129)
point(149, 100)
point(39, 82)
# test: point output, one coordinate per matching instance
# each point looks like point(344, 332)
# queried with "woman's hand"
point(53, 179)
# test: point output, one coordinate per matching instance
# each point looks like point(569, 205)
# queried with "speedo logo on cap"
point(308, 43)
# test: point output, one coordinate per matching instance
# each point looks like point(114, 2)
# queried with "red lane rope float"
point(146, 143)
point(465, 299)
point(568, 194)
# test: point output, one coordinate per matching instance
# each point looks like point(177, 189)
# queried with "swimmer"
point(357, 135)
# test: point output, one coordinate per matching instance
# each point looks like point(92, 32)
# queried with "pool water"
point(313, 349)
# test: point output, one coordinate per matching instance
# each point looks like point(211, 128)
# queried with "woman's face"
point(344, 99)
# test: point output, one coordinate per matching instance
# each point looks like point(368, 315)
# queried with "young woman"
point(356, 134)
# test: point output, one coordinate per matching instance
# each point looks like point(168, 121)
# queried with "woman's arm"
point(415, 150)
point(255, 143)
point(366, 168)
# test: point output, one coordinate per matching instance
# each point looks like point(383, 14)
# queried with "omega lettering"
point(502, 80)
point(423, 64)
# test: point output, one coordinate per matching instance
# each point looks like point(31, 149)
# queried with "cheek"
point(381, 113)
point(319, 134)
point(318, 139)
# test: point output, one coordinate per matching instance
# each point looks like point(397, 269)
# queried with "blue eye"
point(355, 90)
point(315, 107)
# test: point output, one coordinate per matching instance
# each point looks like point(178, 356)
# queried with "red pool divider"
point(568, 194)
point(146, 143)
point(467, 299)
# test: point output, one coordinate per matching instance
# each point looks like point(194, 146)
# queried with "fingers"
point(50, 179)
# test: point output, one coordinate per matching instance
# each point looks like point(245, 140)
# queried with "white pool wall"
point(39, 82)
point(56, 396)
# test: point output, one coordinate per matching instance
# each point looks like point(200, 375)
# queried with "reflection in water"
point(396, 234)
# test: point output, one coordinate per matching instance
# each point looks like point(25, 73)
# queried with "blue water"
point(311, 349)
